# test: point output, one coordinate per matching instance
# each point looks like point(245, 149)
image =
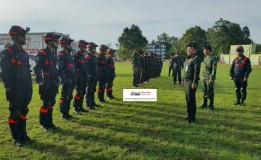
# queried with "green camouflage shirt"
point(209, 68)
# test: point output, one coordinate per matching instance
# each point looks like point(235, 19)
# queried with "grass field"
point(147, 130)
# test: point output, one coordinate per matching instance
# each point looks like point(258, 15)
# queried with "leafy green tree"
point(194, 34)
point(175, 45)
point(225, 33)
point(131, 38)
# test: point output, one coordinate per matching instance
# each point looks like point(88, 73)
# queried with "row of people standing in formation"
point(239, 72)
point(82, 70)
point(145, 66)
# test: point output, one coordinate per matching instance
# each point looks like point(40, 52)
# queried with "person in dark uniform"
point(93, 73)
point(103, 72)
point(208, 77)
point(18, 84)
point(47, 77)
point(66, 70)
point(176, 65)
point(239, 72)
point(191, 77)
point(111, 72)
point(82, 78)
point(135, 67)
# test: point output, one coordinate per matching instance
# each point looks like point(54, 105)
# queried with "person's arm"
point(39, 65)
point(196, 65)
point(214, 69)
point(231, 72)
point(248, 69)
point(61, 65)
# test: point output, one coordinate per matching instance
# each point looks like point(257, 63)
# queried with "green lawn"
point(147, 130)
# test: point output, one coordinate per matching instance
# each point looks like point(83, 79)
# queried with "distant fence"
point(228, 58)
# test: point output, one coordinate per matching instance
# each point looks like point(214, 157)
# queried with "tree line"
point(223, 34)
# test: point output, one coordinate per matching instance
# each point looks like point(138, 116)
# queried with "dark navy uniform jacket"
point(45, 67)
point(92, 63)
point(16, 72)
point(80, 63)
point(66, 68)
point(240, 67)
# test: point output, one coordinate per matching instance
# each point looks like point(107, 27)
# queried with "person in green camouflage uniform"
point(135, 67)
point(208, 77)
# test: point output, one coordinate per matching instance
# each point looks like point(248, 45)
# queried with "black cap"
point(82, 43)
point(208, 47)
point(66, 40)
point(51, 36)
point(194, 45)
point(19, 31)
point(240, 49)
point(104, 47)
point(110, 51)
point(92, 45)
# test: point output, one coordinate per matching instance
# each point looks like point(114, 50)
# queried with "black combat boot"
point(50, 119)
point(211, 104)
point(237, 102)
point(15, 131)
point(205, 103)
point(242, 103)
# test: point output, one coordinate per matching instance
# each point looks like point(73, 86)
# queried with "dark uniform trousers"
point(66, 96)
point(208, 89)
point(16, 75)
point(240, 87)
point(48, 92)
point(81, 84)
point(190, 99)
point(177, 73)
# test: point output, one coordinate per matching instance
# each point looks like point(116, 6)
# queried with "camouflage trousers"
point(208, 89)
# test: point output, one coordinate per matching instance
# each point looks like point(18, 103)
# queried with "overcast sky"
point(103, 21)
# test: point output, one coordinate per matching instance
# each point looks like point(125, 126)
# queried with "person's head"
point(92, 47)
point(82, 45)
point(191, 48)
point(66, 43)
point(18, 34)
point(136, 50)
point(207, 49)
point(111, 52)
point(103, 49)
point(51, 39)
point(240, 51)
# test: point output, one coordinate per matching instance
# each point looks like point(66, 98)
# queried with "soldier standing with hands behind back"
point(191, 77)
